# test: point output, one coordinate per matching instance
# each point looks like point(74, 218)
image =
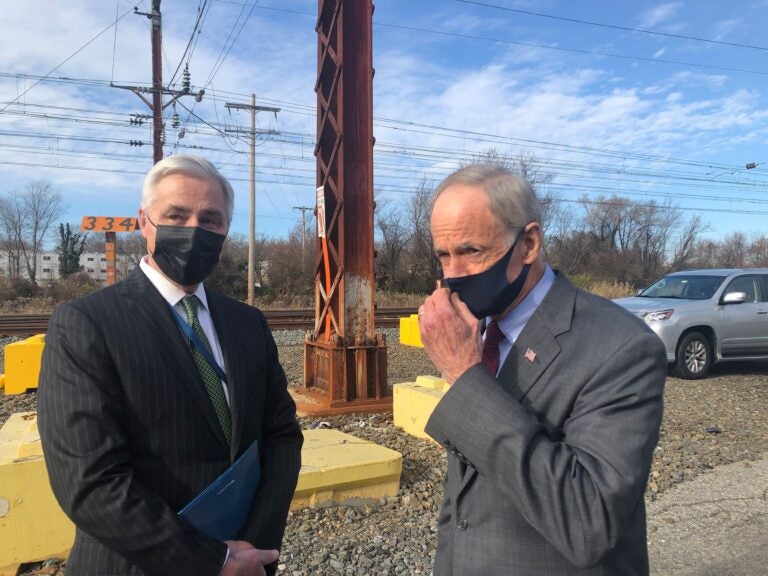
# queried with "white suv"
point(706, 316)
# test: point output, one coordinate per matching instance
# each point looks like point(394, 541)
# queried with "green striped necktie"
point(211, 379)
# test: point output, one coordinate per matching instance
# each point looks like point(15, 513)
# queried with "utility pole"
point(252, 214)
point(304, 210)
point(157, 81)
point(157, 90)
point(156, 106)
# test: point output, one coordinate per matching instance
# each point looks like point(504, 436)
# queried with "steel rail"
point(298, 319)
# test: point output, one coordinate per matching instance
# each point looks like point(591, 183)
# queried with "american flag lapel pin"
point(530, 355)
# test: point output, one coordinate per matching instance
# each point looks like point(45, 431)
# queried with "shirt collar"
point(514, 321)
point(168, 290)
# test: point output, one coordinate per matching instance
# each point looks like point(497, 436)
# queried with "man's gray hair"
point(189, 165)
point(510, 197)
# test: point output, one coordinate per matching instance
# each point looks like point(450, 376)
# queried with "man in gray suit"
point(555, 401)
point(151, 388)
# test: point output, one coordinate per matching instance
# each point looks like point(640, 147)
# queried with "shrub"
point(71, 287)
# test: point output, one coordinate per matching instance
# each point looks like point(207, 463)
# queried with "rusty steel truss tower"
point(345, 361)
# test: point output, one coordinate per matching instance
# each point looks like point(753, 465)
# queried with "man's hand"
point(245, 560)
point(450, 334)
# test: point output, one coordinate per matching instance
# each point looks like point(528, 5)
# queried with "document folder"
point(222, 507)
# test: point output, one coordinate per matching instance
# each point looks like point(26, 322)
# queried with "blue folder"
point(221, 508)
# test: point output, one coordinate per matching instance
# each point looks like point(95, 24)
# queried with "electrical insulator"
point(185, 79)
point(175, 122)
point(751, 165)
point(162, 136)
point(182, 132)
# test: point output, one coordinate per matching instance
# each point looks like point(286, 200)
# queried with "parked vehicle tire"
point(693, 357)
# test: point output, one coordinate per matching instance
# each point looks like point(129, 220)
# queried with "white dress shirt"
point(514, 321)
point(173, 295)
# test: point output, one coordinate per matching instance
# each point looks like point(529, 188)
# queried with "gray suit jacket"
point(547, 463)
point(130, 435)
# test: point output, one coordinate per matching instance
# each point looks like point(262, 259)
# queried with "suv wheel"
point(693, 357)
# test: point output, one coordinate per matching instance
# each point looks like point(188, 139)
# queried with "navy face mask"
point(487, 293)
point(186, 254)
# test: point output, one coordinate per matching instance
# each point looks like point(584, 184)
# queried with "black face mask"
point(487, 293)
point(186, 254)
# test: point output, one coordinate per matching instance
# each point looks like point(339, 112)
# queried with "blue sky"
point(661, 101)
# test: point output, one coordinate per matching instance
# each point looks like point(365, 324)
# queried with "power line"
point(573, 50)
point(220, 60)
point(198, 22)
point(60, 64)
point(613, 26)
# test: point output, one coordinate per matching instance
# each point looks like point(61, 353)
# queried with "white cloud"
point(725, 28)
point(659, 14)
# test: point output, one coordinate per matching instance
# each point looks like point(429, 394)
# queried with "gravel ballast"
point(707, 423)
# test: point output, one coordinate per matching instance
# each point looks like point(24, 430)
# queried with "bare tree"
point(43, 206)
point(394, 239)
point(130, 248)
point(733, 250)
point(525, 165)
point(424, 267)
point(706, 254)
point(12, 220)
point(758, 251)
point(289, 279)
point(684, 251)
point(632, 240)
point(27, 216)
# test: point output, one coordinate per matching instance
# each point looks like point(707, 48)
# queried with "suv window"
point(764, 278)
point(692, 287)
point(746, 284)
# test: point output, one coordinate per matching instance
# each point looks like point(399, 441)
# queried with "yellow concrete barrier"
point(337, 468)
point(22, 364)
point(409, 331)
point(413, 403)
point(32, 525)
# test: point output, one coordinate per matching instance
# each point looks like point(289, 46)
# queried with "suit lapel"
point(151, 309)
point(537, 345)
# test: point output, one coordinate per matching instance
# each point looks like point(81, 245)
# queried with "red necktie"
point(491, 355)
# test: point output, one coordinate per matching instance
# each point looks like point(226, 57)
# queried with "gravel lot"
point(707, 423)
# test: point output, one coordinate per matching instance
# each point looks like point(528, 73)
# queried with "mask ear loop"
point(149, 219)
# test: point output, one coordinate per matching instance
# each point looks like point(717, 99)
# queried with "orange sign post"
point(110, 225)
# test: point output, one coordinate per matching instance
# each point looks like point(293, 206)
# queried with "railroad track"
point(301, 319)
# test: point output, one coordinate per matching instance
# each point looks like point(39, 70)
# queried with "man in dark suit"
point(136, 419)
point(555, 402)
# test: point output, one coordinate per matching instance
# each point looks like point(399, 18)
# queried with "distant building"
point(94, 264)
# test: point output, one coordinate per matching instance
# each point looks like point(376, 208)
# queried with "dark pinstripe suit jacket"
point(547, 463)
point(130, 435)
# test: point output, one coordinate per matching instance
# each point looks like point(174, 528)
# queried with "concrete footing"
point(341, 469)
point(413, 403)
point(32, 525)
point(337, 469)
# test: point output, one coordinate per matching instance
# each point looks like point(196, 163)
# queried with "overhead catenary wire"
point(614, 26)
point(67, 59)
point(576, 50)
point(227, 45)
point(195, 31)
